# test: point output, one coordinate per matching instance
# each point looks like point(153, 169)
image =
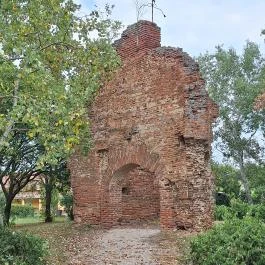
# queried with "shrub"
point(22, 211)
point(21, 249)
point(239, 209)
point(257, 211)
point(222, 212)
point(236, 242)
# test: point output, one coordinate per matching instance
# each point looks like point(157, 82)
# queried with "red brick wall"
point(140, 196)
point(155, 114)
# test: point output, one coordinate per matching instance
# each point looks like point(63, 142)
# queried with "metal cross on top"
point(153, 6)
point(153, 3)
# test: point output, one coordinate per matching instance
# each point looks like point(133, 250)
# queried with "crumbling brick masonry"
point(151, 127)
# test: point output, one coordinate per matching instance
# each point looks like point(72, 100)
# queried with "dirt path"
point(127, 246)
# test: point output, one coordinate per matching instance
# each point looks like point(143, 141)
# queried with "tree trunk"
point(48, 200)
point(7, 212)
point(245, 183)
point(71, 214)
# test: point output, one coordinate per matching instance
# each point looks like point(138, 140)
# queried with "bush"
point(236, 242)
point(21, 249)
point(239, 209)
point(257, 211)
point(22, 211)
point(222, 212)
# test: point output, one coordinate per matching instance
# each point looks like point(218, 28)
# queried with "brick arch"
point(131, 155)
point(125, 167)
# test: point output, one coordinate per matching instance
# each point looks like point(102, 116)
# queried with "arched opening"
point(134, 195)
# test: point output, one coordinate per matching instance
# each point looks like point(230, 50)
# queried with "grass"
point(36, 219)
point(27, 220)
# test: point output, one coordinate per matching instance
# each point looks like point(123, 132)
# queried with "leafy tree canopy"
point(234, 81)
point(51, 63)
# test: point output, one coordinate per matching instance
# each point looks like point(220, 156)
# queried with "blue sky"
point(197, 25)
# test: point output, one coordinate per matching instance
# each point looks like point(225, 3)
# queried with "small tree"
point(18, 166)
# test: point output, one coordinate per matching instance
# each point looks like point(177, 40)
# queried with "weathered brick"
point(151, 127)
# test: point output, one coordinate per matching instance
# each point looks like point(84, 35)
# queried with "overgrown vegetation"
point(239, 210)
point(232, 243)
point(18, 248)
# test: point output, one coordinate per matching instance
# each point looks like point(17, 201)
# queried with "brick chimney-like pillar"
point(139, 37)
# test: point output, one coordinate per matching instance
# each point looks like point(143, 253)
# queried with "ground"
point(83, 245)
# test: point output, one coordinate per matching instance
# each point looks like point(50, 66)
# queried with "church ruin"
point(151, 127)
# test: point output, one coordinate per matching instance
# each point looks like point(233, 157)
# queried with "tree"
point(19, 166)
point(50, 69)
point(54, 180)
point(234, 82)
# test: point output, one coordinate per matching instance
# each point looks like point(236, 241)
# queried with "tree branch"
point(67, 45)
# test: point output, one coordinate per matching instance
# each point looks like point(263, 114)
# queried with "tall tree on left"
point(52, 61)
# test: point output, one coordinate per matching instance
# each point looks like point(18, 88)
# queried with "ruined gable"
point(151, 127)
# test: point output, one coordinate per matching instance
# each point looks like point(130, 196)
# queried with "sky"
point(196, 26)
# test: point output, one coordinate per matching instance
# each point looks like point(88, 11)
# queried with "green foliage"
point(221, 212)
point(226, 179)
point(52, 63)
point(67, 202)
point(21, 249)
point(239, 210)
point(21, 211)
point(233, 243)
point(257, 211)
point(50, 69)
point(256, 176)
point(234, 81)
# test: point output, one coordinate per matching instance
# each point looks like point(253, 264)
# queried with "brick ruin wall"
point(151, 127)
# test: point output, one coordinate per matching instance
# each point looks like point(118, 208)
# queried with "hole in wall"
point(181, 141)
point(125, 190)
point(207, 156)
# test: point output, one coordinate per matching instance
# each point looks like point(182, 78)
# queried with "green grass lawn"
point(37, 219)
